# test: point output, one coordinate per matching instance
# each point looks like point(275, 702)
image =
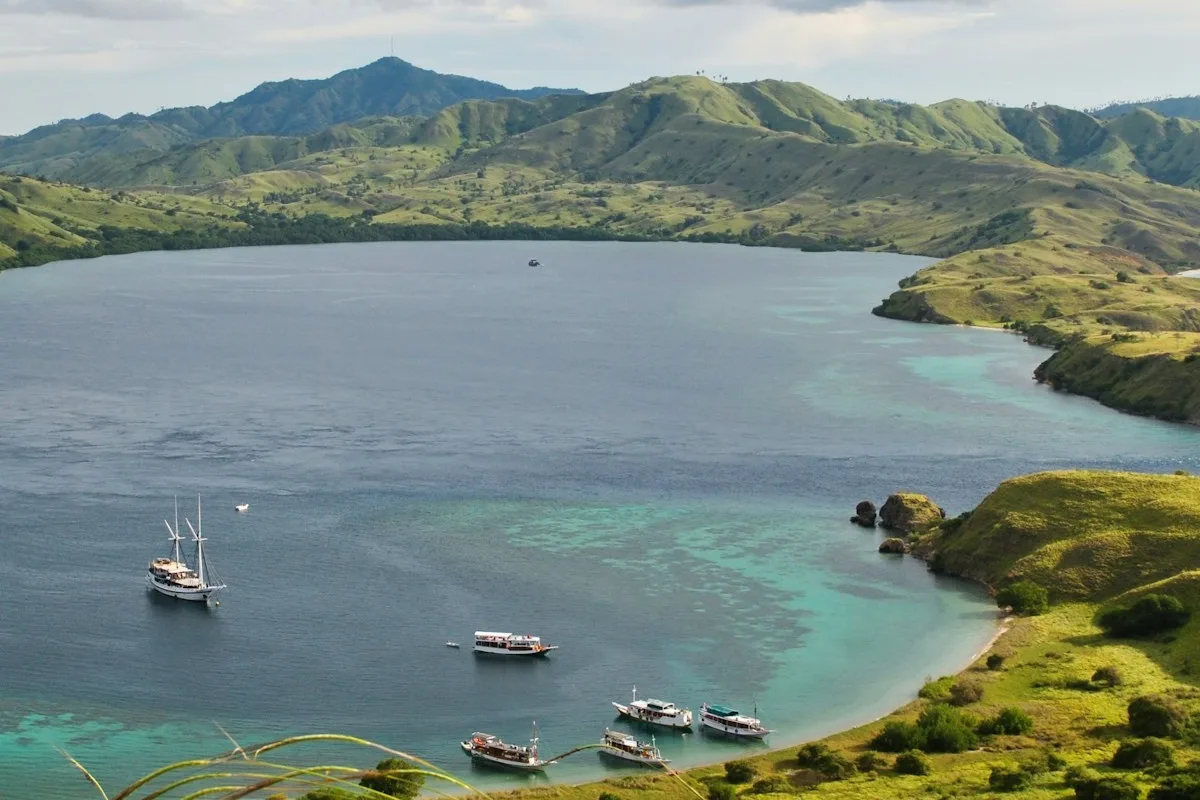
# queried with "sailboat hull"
point(194, 595)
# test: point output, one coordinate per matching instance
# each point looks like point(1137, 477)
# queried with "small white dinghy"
point(452, 644)
point(241, 508)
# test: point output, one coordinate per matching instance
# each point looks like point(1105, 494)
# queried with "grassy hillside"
point(37, 213)
point(601, 127)
point(1154, 374)
point(1084, 535)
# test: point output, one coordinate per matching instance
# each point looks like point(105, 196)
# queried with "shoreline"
point(1004, 624)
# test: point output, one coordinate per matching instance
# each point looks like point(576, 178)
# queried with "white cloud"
point(122, 9)
point(777, 36)
point(178, 52)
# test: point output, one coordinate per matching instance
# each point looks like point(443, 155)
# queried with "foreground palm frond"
point(242, 772)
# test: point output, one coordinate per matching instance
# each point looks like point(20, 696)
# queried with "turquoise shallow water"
point(646, 453)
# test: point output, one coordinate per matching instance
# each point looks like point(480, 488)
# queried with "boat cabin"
point(498, 748)
point(515, 643)
point(732, 718)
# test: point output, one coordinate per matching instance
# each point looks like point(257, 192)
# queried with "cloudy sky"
point(69, 58)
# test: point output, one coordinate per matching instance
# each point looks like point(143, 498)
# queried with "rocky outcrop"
point(893, 545)
point(864, 514)
point(911, 306)
point(906, 512)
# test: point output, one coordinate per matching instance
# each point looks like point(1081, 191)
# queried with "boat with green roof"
point(732, 722)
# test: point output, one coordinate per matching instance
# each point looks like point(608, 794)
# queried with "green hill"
point(388, 87)
point(538, 129)
point(1083, 535)
point(1183, 107)
point(36, 213)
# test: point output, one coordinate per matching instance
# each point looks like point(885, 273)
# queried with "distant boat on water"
point(533, 262)
point(511, 644)
point(173, 576)
point(241, 508)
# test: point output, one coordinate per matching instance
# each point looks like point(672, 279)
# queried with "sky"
point(70, 58)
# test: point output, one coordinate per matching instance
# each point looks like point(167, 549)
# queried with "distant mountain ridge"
point(578, 133)
point(1182, 107)
point(387, 87)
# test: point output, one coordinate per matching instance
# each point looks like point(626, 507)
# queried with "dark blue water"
point(645, 453)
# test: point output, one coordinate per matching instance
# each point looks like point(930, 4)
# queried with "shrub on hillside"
point(964, 693)
point(738, 772)
point(1009, 722)
point(330, 793)
point(827, 763)
point(1054, 762)
point(810, 754)
point(1143, 754)
point(1157, 715)
point(1009, 778)
point(607, 796)
point(1110, 788)
point(946, 730)
point(1025, 598)
point(937, 690)
point(721, 791)
point(897, 737)
point(776, 784)
point(395, 777)
point(1077, 775)
point(836, 767)
point(1177, 787)
point(1109, 676)
point(1147, 616)
point(914, 762)
point(995, 661)
point(871, 762)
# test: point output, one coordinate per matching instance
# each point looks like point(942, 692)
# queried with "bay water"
point(645, 453)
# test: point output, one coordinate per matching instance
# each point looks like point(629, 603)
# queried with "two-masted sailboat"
point(173, 576)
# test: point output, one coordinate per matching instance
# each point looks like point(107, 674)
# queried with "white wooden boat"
point(241, 508)
point(485, 748)
point(173, 576)
point(623, 746)
point(655, 712)
point(729, 721)
point(452, 644)
point(510, 644)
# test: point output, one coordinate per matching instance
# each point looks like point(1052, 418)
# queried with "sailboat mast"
point(175, 533)
point(199, 541)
